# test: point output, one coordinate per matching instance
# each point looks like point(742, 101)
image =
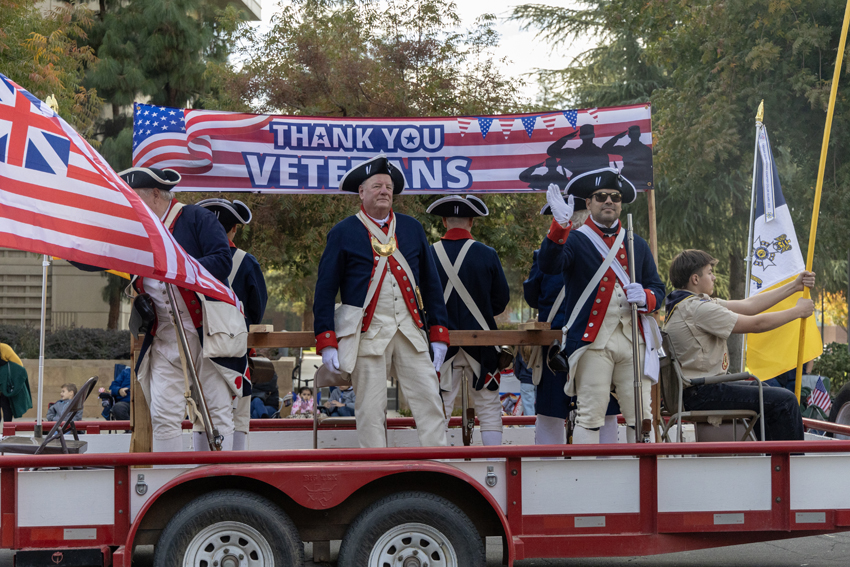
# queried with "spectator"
point(527, 388)
point(265, 399)
point(15, 397)
point(341, 402)
point(66, 394)
point(303, 404)
point(120, 390)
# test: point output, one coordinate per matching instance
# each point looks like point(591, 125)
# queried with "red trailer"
point(416, 506)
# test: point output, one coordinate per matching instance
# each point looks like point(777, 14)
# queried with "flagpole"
point(749, 257)
point(833, 92)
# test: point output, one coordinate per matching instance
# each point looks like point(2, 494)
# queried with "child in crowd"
point(303, 404)
point(66, 393)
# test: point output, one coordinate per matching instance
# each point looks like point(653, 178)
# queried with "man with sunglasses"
point(594, 263)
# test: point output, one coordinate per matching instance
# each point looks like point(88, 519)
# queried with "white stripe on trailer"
point(145, 482)
point(66, 498)
point(557, 487)
point(714, 484)
point(818, 481)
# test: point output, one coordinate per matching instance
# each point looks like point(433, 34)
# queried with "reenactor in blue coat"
point(158, 367)
point(380, 264)
point(598, 300)
point(247, 281)
point(475, 291)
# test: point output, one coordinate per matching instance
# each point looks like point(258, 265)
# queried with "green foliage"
point(73, 343)
point(44, 54)
point(705, 66)
point(834, 363)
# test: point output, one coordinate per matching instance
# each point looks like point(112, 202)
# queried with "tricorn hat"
point(150, 178)
point(459, 206)
point(582, 186)
point(356, 176)
point(229, 214)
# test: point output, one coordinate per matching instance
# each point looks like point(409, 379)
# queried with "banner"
point(776, 261)
point(229, 151)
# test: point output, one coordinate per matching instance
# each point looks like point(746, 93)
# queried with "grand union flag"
point(59, 197)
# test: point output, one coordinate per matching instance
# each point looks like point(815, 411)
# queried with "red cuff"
point(326, 339)
point(439, 334)
point(650, 301)
point(557, 233)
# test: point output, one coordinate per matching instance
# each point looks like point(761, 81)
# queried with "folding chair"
point(54, 442)
point(673, 383)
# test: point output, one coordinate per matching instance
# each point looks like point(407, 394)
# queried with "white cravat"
point(600, 225)
point(381, 222)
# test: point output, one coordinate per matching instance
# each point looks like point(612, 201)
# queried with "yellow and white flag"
point(776, 260)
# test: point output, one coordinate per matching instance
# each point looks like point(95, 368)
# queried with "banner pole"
point(833, 92)
point(749, 257)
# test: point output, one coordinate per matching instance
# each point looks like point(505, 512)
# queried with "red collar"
point(232, 245)
point(457, 234)
point(389, 219)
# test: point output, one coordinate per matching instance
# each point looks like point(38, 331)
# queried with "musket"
point(467, 420)
point(195, 395)
point(641, 428)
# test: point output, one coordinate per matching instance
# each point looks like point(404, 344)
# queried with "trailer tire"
point(412, 525)
point(229, 527)
point(840, 412)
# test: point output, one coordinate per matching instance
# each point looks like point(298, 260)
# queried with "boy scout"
point(698, 326)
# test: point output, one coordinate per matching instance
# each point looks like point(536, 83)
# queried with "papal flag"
point(776, 260)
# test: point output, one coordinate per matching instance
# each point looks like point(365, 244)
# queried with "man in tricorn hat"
point(475, 291)
point(158, 368)
point(593, 260)
point(247, 281)
point(380, 264)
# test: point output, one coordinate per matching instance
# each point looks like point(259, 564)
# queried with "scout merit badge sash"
point(651, 333)
point(535, 359)
point(455, 284)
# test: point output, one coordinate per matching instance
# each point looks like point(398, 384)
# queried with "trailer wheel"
point(412, 529)
point(229, 528)
point(840, 412)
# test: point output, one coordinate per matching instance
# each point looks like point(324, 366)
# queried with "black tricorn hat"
point(582, 186)
point(150, 178)
point(356, 176)
point(229, 214)
point(459, 206)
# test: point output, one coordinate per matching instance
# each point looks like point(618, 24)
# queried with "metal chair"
point(54, 442)
point(672, 384)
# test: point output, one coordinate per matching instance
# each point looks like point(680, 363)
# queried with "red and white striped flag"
point(59, 197)
point(820, 397)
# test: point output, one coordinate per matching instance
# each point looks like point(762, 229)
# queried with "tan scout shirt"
point(698, 329)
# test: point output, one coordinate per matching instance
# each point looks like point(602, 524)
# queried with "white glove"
point(330, 358)
point(440, 350)
point(634, 293)
point(561, 210)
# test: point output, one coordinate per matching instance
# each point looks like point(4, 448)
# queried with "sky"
point(520, 47)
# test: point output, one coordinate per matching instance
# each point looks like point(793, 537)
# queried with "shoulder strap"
point(237, 262)
point(594, 281)
point(382, 260)
point(557, 305)
point(172, 215)
point(454, 279)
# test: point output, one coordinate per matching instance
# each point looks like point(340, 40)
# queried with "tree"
point(41, 52)
point(716, 61)
point(360, 58)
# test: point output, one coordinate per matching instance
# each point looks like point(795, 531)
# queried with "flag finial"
point(51, 103)
point(760, 112)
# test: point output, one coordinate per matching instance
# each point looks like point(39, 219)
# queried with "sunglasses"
point(602, 197)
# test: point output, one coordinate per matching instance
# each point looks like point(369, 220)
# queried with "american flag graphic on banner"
point(226, 151)
point(820, 397)
point(59, 197)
